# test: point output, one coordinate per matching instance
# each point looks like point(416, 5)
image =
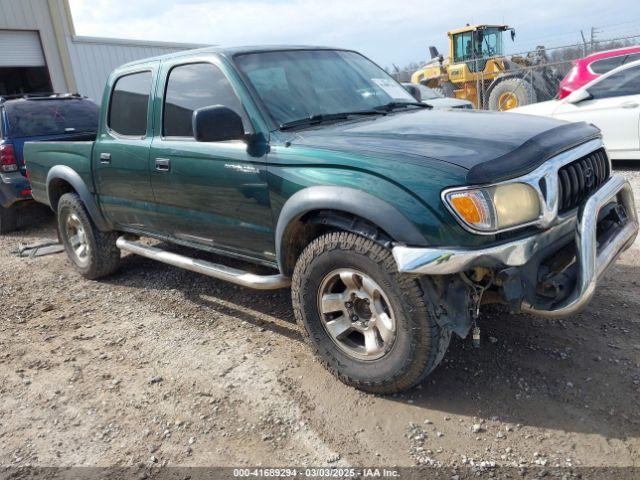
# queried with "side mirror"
point(513, 34)
point(578, 96)
point(217, 123)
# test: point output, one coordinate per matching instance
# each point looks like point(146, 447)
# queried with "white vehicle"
point(434, 98)
point(610, 102)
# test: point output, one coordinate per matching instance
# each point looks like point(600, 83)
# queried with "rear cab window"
point(129, 105)
point(34, 118)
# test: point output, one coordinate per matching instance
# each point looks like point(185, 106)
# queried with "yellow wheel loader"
point(477, 70)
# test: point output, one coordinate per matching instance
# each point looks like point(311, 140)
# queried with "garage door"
point(20, 49)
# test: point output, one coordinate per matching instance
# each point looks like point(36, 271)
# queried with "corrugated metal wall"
point(34, 15)
point(94, 59)
point(86, 61)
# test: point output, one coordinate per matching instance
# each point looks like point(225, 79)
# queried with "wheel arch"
point(62, 179)
point(314, 210)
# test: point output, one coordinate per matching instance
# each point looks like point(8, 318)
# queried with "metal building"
point(40, 51)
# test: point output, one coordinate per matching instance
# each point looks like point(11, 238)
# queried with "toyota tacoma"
point(393, 223)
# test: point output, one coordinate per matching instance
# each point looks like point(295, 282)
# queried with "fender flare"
point(62, 172)
point(348, 200)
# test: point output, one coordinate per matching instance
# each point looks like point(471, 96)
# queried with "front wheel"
point(93, 253)
point(367, 323)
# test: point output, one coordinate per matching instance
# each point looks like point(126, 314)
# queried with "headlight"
point(495, 208)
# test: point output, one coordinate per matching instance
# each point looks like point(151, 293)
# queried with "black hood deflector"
point(532, 153)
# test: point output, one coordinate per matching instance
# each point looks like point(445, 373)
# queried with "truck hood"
point(491, 146)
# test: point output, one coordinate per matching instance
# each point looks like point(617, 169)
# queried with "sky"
point(389, 32)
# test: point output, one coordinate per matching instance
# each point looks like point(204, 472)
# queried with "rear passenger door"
point(121, 154)
point(212, 193)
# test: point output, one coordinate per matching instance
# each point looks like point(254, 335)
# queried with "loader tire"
point(511, 93)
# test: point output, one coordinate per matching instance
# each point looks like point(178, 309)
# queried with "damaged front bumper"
point(593, 254)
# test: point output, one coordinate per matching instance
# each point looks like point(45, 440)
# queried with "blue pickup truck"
point(27, 118)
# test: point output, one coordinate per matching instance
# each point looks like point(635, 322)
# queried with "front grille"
point(579, 179)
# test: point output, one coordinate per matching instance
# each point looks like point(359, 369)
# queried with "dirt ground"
point(158, 366)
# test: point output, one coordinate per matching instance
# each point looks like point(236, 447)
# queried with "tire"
point(8, 220)
point(100, 256)
point(419, 343)
point(511, 93)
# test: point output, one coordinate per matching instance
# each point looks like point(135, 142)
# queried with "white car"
point(434, 98)
point(610, 102)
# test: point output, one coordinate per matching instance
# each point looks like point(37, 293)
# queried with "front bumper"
point(592, 259)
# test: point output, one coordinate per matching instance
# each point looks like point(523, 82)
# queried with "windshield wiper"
point(388, 107)
point(327, 117)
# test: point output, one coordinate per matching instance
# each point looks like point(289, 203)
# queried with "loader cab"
point(473, 45)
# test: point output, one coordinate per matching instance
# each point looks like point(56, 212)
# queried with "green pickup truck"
point(392, 223)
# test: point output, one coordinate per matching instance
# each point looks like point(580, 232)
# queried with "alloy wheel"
point(356, 314)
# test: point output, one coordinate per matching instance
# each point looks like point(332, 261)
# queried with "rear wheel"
point(8, 219)
point(511, 93)
point(93, 253)
point(367, 323)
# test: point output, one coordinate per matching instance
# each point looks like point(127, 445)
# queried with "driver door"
point(210, 193)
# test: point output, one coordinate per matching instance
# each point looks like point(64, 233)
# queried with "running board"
point(221, 272)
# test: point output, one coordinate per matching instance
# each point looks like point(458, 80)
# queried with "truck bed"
point(40, 157)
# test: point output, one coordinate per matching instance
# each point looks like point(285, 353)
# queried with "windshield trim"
point(264, 111)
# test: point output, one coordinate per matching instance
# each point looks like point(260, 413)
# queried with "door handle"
point(163, 164)
point(630, 105)
point(105, 158)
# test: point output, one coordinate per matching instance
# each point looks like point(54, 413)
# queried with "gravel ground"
point(158, 366)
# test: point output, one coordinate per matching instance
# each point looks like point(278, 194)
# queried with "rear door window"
point(623, 83)
point(34, 118)
point(129, 106)
point(600, 67)
point(632, 57)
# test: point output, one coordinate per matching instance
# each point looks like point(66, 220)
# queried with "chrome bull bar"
point(592, 261)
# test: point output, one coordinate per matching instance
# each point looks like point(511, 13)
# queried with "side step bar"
point(221, 272)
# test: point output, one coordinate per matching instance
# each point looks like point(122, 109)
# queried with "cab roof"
point(470, 28)
point(226, 51)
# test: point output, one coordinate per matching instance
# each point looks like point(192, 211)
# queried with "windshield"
point(483, 43)
point(490, 42)
point(298, 84)
point(34, 118)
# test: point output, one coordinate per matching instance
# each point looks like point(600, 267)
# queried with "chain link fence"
point(530, 77)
